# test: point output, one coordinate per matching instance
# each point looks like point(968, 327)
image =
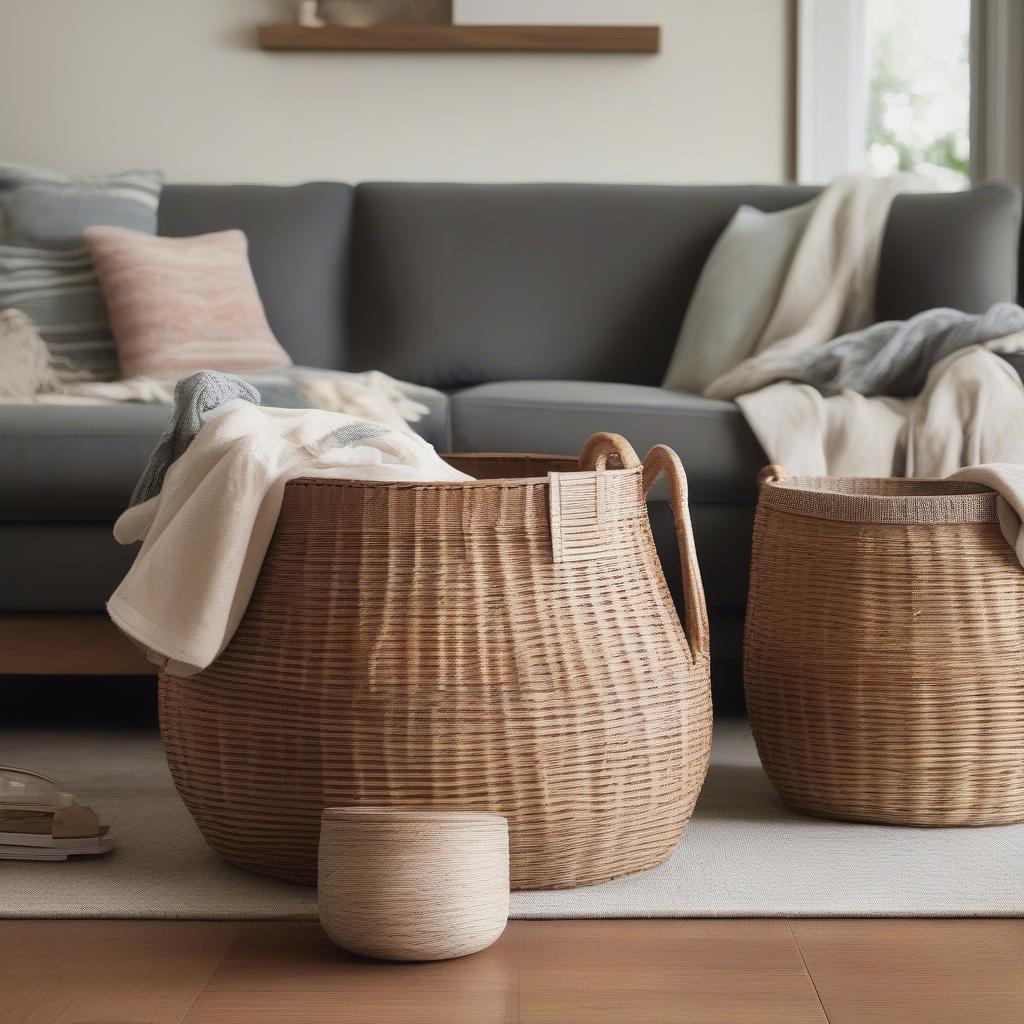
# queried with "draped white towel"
point(1007, 480)
point(205, 534)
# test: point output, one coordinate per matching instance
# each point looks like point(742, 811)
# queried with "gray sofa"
point(537, 313)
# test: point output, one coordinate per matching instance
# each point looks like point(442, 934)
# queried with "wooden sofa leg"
point(67, 645)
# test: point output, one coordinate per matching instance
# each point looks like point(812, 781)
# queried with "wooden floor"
point(791, 972)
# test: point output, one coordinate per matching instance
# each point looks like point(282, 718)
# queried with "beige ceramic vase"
point(413, 884)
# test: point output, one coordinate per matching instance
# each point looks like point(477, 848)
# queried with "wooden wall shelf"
point(466, 38)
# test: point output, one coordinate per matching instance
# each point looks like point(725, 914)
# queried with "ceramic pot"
point(413, 884)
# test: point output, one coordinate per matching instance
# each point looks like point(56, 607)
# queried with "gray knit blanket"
point(195, 397)
point(891, 358)
point(198, 395)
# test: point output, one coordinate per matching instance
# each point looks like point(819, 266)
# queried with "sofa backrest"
point(458, 284)
point(298, 246)
point(452, 285)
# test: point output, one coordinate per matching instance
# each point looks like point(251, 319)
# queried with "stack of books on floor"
point(40, 821)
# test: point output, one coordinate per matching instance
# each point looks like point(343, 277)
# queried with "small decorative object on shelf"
point(308, 15)
point(362, 13)
point(413, 884)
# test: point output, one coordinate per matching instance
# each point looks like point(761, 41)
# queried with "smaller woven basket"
point(413, 884)
point(884, 653)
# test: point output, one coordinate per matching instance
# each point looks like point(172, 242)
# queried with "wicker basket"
point(884, 656)
point(505, 645)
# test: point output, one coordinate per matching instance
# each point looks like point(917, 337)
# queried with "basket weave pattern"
point(884, 655)
point(420, 645)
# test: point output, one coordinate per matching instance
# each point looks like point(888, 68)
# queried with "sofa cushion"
point(720, 454)
point(178, 305)
point(73, 462)
point(455, 285)
point(955, 249)
point(298, 246)
point(44, 209)
point(80, 463)
point(60, 567)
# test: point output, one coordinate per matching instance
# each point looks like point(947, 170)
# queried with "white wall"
point(99, 85)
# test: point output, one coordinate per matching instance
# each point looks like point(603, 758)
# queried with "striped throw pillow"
point(58, 291)
point(45, 270)
point(44, 209)
point(178, 305)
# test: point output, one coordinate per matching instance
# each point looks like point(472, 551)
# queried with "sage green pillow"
point(735, 295)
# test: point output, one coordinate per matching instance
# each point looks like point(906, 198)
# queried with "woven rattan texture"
point(880, 500)
point(884, 663)
point(417, 645)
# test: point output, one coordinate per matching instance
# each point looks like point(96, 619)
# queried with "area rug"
point(743, 855)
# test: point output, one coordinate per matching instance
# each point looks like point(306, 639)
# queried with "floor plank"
point(664, 971)
point(201, 972)
point(916, 972)
point(292, 974)
point(69, 972)
point(564, 971)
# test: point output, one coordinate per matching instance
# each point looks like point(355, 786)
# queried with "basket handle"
point(772, 474)
point(662, 459)
point(601, 449)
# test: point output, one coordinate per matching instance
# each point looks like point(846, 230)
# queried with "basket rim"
point(401, 816)
point(882, 500)
point(498, 457)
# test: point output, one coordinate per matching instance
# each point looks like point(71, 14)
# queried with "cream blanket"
point(205, 534)
point(1008, 480)
point(924, 397)
point(372, 395)
point(829, 288)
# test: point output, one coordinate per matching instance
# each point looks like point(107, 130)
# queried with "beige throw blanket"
point(970, 411)
point(1008, 480)
point(205, 534)
point(830, 285)
point(824, 407)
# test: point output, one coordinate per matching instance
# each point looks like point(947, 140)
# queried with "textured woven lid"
point(890, 500)
point(401, 816)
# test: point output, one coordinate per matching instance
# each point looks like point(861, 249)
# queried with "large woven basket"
point(505, 644)
point(884, 655)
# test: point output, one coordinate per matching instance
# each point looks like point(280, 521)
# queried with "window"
point(918, 103)
point(884, 86)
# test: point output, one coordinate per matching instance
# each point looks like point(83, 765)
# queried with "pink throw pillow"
point(178, 305)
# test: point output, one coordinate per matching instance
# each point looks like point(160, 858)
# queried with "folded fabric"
point(178, 305)
point(1007, 480)
point(195, 397)
point(829, 287)
point(970, 411)
point(890, 358)
point(24, 360)
point(370, 394)
point(735, 294)
point(205, 534)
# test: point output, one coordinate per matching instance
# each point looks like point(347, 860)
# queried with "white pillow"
point(735, 295)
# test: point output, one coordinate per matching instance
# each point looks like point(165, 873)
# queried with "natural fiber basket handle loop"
point(601, 449)
point(577, 501)
point(661, 459)
point(772, 474)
